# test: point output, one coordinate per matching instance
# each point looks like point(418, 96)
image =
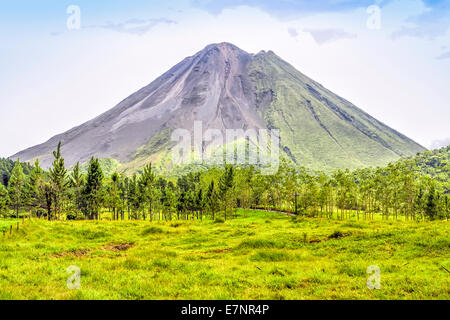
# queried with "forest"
point(414, 188)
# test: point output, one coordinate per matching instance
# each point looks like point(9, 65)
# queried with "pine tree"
point(212, 199)
point(16, 187)
point(36, 185)
point(431, 203)
point(226, 188)
point(4, 200)
point(76, 185)
point(147, 182)
point(114, 199)
point(133, 197)
point(58, 180)
point(92, 194)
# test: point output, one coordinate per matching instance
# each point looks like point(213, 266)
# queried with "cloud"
point(322, 36)
point(445, 55)
point(437, 144)
point(134, 26)
point(293, 32)
point(285, 8)
point(432, 23)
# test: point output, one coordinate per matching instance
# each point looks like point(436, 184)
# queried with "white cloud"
point(134, 26)
point(322, 36)
point(443, 56)
point(293, 32)
point(437, 144)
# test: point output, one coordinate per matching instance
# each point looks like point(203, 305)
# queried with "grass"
point(6, 223)
point(243, 258)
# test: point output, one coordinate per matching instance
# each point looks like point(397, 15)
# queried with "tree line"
point(397, 191)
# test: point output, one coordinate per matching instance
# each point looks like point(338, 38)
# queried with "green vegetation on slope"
point(435, 164)
point(318, 129)
point(6, 167)
point(108, 165)
point(258, 255)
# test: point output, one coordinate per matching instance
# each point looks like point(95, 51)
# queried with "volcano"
point(225, 87)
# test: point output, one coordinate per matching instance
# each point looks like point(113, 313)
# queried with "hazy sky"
point(392, 59)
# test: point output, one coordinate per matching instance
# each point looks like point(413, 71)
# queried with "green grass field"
point(6, 223)
point(258, 255)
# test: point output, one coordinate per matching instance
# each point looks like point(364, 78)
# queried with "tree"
point(212, 199)
point(199, 203)
point(133, 197)
point(4, 199)
point(58, 180)
point(147, 182)
point(92, 192)
point(76, 183)
point(226, 188)
point(170, 199)
point(431, 203)
point(16, 187)
point(36, 186)
point(113, 195)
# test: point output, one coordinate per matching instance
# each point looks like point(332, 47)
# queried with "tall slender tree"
point(76, 186)
point(226, 187)
point(58, 181)
point(4, 200)
point(16, 187)
point(36, 185)
point(212, 199)
point(92, 192)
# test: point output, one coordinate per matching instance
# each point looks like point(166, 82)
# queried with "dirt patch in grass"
point(118, 247)
point(77, 253)
point(219, 251)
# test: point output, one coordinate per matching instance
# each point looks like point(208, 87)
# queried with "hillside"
point(225, 87)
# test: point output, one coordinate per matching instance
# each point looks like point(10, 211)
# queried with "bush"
point(74, 216)
point(40, 213)
point(219, 220)
point(337, 235)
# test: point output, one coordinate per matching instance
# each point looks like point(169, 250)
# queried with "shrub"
point(336, 235)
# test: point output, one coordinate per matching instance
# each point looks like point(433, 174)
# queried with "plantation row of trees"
point(397, 190)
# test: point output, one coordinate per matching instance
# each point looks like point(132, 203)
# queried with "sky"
point(65, 62)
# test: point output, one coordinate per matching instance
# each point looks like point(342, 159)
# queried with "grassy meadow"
point(257, 255)
point(6, 223)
